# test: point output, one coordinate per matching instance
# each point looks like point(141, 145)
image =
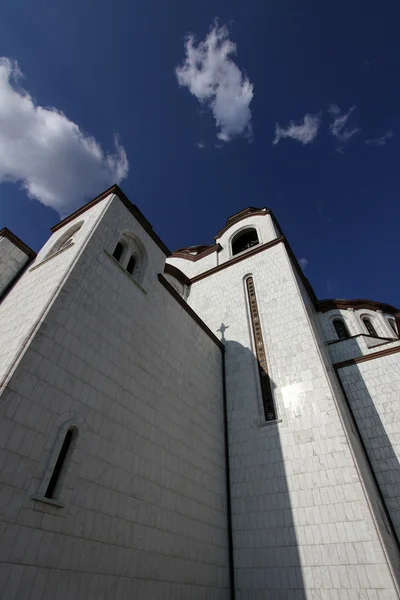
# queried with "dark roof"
point(242, 214)
point(17, 242)
point(133, 209)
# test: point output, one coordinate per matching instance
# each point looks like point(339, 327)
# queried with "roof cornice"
point(196, 257)
point(177, 274)
point(233, 261)
point(6, 233)
point(325, 305)
point(133, 209)
point(244, 214)
point(319, 305)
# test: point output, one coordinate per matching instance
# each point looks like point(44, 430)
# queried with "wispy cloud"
point(55, 161)
point(380, 141)
point(331, 287)
point(304, 132)
point(200, 145)
point(339, 126)
point(210, 74)
point(303, 262)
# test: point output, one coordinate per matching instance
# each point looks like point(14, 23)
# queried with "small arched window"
point(131, 265)
point(59, 467)
point(341, 329)
point(370, 328)
point(65, 240)
point(392, 324)
point(131, 254)
point(244, 240)
point(118, 251)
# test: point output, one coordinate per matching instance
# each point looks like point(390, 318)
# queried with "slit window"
point(131, 265)
point(265, 381)
point(341, 329)
point(370, 328)
point(393, 325)
point(118, 251)
point(59, 466)
point(245, 240)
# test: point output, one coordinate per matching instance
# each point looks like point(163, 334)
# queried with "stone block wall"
point(357, 346)
point(12, 260)
point(24, 308)
point(302, 523)
point(141, 509)
point(373, 392)
point(354, 324)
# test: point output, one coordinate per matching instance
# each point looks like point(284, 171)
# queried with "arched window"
point(65, 240)
point(131, 265)
point(64, 454)
point(131, 254)
point(341, 329)
point(118, 251)
point(370, 328)
point(244, 240)
point(392, 324)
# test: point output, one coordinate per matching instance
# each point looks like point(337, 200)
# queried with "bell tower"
point(301, 486)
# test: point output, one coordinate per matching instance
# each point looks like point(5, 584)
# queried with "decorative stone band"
point(266, 391)
point(233, 261)
point(367, 357)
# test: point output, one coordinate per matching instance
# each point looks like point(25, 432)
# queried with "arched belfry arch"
point(244, 239)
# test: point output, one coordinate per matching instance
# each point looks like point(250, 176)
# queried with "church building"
point(191, 425)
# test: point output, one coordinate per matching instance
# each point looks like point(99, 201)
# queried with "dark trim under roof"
point(133, 209)
point(243, 214)
point(176, 273)
point(186, 255)
point(17, 242)
point(320, 305)
point(325, 305)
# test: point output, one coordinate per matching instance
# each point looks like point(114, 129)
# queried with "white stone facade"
point(13, 258)
point(373, 391)
point(164, 415)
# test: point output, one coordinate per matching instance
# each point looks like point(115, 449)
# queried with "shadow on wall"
point(266, 553)
point(372, 430)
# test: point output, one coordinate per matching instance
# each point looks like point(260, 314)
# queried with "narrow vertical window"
point(58, 468)
point(118, 251)
point(341, 329)
point(266, 390)
point(370, 327)
point(131, 265)
point(393, 325)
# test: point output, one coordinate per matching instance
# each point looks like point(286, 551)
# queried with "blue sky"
point(110, 69)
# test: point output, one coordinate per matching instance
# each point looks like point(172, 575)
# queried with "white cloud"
point(55, 161)
point(338, 127)
point(380, 141)
point(331, 287)
point(303, 262)
point(215, 80)
point(200, 145)
point(304, 132)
